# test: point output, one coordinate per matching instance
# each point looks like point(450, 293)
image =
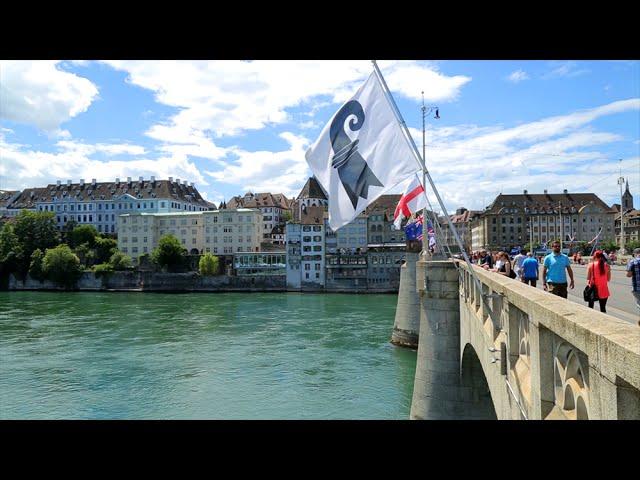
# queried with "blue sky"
point(232, 127)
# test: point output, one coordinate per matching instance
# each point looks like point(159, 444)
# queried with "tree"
point(169, 252)
point(82, 234)
point(209, 264)
point(120, 261)
point(61, 265)
point(10, 250)
point(82, 251)
point(632, 245)
point(608, 246)
point(104, 249)
point(35, 269)
point(35, 230)
point(286, 216)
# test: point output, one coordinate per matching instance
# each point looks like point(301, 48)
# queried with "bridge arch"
point(472, 377)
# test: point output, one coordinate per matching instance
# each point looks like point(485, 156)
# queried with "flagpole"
point(425, 172)
point(421, 161)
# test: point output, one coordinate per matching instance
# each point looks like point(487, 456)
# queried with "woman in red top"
point(599, 274)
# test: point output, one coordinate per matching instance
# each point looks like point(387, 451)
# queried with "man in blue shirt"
point(633, 271)
point(529, 270)
point(554, 279)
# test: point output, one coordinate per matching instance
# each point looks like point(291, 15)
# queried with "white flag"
point(412, 200)
point(360, 154)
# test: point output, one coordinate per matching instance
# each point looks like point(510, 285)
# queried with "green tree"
point(35, 269)
point(169, 252)
point(608, 246)
point(104, 248)
point(82, 234)
point(120, 261)
point(61, 265)
point(209, 264)
point(35, 230)
point(103, 269)
point(632, 245)
point(82, 251)
point(10, 250)
point(286, 216)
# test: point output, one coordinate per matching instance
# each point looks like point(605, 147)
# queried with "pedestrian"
point(529, 272)
point(554, 278)
point(517, 263)
point(633, 271)
point(599, 275)
point(486, 261)
point(503, 265)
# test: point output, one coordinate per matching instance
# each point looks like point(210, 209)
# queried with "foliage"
point(82, 251)
point(35, 268)
point(10, 250)
point(103, 269)
point(608, 246)
point(120, 261)
point(104, 248)
point(286, 216)
point(169, 252)
point(209, 264)
point(34, 230)
point(61, 265)
point(82, 234)
point(633, 244)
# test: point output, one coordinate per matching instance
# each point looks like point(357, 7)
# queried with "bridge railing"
point(548, 357)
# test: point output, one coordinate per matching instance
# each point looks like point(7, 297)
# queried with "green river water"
point(86, 355)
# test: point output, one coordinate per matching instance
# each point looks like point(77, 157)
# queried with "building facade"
point(462, 222)
point(275, 208)
point(515, 220)
point(223, 232)
point(100, 203)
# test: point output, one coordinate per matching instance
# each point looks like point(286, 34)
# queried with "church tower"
point(627, 199)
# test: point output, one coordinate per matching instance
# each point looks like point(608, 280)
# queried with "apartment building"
point(306, 250)
point(515, 220)
point(222, 232)
point(100, 203)
point(274, 207)
point(461, 221)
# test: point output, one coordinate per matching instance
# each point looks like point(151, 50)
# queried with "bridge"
point(529, 355)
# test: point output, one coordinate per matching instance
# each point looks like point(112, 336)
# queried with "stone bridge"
point(530, 355)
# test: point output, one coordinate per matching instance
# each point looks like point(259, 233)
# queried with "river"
point(81, 355)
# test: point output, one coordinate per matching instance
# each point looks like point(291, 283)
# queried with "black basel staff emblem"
point(354, 173)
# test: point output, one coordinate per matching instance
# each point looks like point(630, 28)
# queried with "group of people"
point(555, 268)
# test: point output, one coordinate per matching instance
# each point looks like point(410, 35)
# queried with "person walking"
point(554, 279)
point(599, 275)
point(633, 271)
point(517, 263)
point(529, 271)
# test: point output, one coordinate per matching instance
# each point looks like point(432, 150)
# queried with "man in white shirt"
point(517, 263)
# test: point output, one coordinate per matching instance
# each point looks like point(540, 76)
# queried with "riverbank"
point(145, 281)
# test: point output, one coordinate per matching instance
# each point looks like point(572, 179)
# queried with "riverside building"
point(223, 232)
point(100, 203)
point(515, 220)
point(275, 208)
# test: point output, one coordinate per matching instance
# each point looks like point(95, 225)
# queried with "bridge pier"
point(439, 393)
point(406, 326)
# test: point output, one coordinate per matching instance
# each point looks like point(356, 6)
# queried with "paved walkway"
point(621, 303)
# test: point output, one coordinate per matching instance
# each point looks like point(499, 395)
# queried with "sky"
point(237, 126)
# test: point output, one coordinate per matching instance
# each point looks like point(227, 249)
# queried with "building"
point(380, 228)
point(306, 250)
point(216, 231)
point(461, 220)
point(100, 203)
point(275, 208)
point(383, 266)
point(516, 219)
point(311, 195)
point(259, 264)
point(6, 198)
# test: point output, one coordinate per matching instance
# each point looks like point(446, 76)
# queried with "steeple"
point(627, 199)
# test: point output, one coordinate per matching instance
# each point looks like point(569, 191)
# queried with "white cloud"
point(229, 97)
point(108, 149)
point(518, 76)
point(565, 69)
point(265, 171)
point(23, 167)
point(38, 93)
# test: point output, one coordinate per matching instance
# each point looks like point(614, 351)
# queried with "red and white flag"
point(412, 200)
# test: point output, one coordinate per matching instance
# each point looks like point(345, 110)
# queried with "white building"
point(306, 259)
point(100, 203)
point(223, 232)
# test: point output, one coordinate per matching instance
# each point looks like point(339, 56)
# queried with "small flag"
point(361, 153)
point(412, 200)
point(413, 230)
